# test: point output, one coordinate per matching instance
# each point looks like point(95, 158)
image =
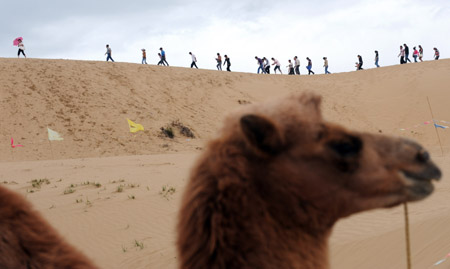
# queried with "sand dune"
point(115, 194)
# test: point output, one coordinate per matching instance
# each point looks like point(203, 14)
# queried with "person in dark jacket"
point(227, 62)
point(406, 54)
point(360, 62)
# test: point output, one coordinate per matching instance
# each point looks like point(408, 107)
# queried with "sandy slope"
point(88, 103)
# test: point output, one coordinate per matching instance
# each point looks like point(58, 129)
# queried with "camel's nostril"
point(423, 156)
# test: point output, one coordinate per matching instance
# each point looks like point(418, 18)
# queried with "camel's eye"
point(346, 147)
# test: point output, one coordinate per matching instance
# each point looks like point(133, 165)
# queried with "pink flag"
point(12, 144)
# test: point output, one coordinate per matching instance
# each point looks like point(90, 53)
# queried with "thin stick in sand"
point(437, 133)
point(408, 243)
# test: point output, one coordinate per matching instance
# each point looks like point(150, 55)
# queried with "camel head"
point(302, 161)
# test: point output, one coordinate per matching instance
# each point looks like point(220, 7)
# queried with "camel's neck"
point(268, 246)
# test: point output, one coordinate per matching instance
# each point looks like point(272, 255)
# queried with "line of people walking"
point(417, 53)
point(263, 63)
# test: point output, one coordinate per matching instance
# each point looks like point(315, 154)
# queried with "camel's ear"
point(261, 133)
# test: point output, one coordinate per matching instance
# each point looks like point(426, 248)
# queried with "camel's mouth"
point(419, 184)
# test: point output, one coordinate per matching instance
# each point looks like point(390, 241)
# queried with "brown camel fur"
point(267, 192)
point(28, 241)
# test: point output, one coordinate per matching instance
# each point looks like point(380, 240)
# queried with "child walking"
point(144, 57)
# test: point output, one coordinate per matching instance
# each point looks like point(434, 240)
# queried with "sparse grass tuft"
point(120, 188)
point(88, 203)
point(79, 200)
point(37, 183)
point(167, 132)
point(88, 183)
point(139, 244)
point(69, 190)
point(183, 129)
point(131, 197)
point(167, 191)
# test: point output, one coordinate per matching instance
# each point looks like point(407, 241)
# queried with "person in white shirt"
point(266, 65)
point(325, 64)
point(108, 53)
point(194, 60)
point(402, 55)
point(290, 68)
point(277, 65)
point(297, 65)
point(21, 49)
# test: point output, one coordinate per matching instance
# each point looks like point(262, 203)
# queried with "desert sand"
point(115, 194)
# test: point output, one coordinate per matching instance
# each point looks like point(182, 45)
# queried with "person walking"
point(325, 64)
point(376, 59)
point(163, 56)
point(291, 68)
point(360, 62)
point(21, 49)
point(277, 66)
point(402, 55)
point(266, 65)
point(420, 53)
point(160, 60)
point(297, 65)
point(144, 57)
point(108, 53)
point(309, 66)
point(436, 54)
point(227, 62)
point(415, 54)
point(219, 62)
point(194, 60)
point(261, 65)
point(406, 54)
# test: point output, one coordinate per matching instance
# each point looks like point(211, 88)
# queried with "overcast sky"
point(243, 29)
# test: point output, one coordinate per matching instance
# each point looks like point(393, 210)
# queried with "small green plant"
point(88, 183)
point(131, 197)
point(139, 244)
point(124, 249)
point(37, 183)
point(30, 190)
point(88, 202)
point(167, 191)
point(120, 188)
point(69, 190)
point(78, 201)
point(183, 129)
point(167, 131)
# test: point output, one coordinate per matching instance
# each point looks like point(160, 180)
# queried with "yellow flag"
point(54, 136)
point(134, 127)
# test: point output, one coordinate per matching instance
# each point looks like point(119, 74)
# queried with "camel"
point(267, 192)
point(28, 241)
